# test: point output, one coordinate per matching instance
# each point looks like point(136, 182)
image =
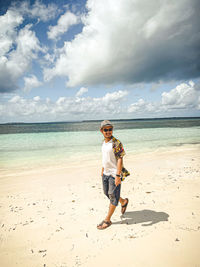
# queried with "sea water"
point(35, 145)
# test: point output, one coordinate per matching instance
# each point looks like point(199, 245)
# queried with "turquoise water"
point(22, 151)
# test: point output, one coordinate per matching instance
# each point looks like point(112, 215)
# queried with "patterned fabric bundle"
point(119, 153)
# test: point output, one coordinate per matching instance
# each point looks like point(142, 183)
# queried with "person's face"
point(107, 131)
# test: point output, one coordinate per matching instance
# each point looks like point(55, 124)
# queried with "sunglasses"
point(108, 130)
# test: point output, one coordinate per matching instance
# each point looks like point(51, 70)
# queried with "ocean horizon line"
point(99, 120)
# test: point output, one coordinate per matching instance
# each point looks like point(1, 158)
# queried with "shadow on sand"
point(147, 217)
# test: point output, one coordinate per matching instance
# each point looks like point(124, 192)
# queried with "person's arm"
point(102, 171)
point(119, 169)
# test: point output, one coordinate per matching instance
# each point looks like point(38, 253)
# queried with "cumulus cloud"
point(132, 41)
point(142, 106)
point(64, 108)
point(82, 91)
point(15, 99)
point(9, 22)
point(42, 11)
point(31, 82)
point(14, 64)
point(182, 96)
point(19, 45)
point(36, 98)
point(20, 108)
point(64, 23)
point(38, 9)
point(116, 96)
point(185, 96)
point(88, 105)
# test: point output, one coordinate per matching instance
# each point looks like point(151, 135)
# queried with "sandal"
point(123, 209)
point(105, 223)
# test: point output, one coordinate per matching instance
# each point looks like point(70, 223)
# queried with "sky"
point(73, 60)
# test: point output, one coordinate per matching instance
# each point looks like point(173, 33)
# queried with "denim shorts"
point(110, 189)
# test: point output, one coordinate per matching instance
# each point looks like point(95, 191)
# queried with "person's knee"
point(113, 200)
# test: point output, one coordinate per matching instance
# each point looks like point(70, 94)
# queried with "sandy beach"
point(49, 216)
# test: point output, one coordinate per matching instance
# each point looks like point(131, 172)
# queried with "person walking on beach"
point(113, 172)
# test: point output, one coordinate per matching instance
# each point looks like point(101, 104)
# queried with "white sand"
point(49, 217)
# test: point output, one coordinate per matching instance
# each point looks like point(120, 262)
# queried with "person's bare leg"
point(110, 212)
point(107, 221)
point(122, 201)
point(113, 207)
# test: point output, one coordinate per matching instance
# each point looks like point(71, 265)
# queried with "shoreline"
point(90, 160)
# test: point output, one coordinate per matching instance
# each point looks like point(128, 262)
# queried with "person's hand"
point(117, 180)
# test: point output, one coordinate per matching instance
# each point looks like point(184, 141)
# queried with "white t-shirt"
point(109, 161)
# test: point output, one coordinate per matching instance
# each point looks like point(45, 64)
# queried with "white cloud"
point(21, 108)
point(18, 61)
point(9, 22)
point(38, 10)
point(116, 96)
point(66, 108)
point(31, 82)
point(88, 105)
point(82, 91)
point(142, 106)
point(132, 41)
point(112, 105)
point(44, 12)
point(158, 22)
point(36, 98)
point(64, 23)
point(184, 96)
point(15, 99)
point(20, 46)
